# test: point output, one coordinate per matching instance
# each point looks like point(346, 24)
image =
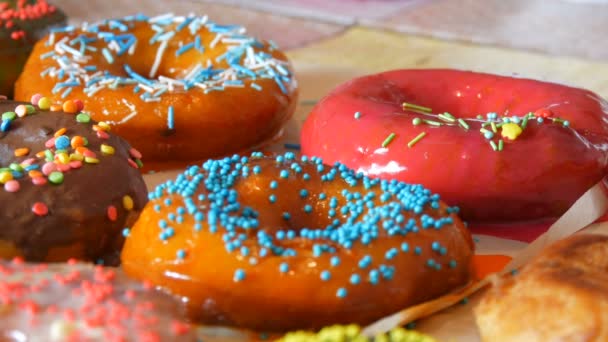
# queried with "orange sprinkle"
point(20, 152)
point(55, 108)
point(40, 154)
point(60, 132)
point(34, 173)
point(81, 149)
point(70, 107)
point(77, 141)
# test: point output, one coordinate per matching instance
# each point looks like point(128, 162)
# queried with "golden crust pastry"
point(562, 295)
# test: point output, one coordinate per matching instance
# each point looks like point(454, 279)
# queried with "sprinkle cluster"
point(78, 302)
point(23, 11)
point(364, 209)
point(494, 128)
point(352, 333)
point(62, 153)
point(243, 62)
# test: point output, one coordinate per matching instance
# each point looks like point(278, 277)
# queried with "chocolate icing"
point(77, 208)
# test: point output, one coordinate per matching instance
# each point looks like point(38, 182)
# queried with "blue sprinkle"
point(62, 142)
point(284, 267)
point(170, 118)
point(355, 279)
point(181, 254)
point(239, 275)
point(125, 232)
point(341, 293)
point(325, 275)
point(335, 261)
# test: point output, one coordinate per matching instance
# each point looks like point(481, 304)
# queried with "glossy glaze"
point(539, 175)
point(270, 300)
point(206, 124)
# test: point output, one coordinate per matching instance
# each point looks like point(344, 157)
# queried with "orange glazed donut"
point(287, 243)
point(178, 88)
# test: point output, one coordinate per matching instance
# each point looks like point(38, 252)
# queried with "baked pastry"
point(70, 186)
point(284, 242)
point(561, 295)
point(22, 24)
point(178, 88)
point(502, 149)
point(81, 302)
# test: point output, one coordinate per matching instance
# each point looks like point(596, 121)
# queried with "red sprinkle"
point(102, 135)
point(133, 164)
point(40, 209)
point(75, 164)
point(179, 328)
point(112, 213)
point(79, 104)
point(135, 153)
point(543, 113)
point(39, 180)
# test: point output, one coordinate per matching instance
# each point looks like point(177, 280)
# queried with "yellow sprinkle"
point(510, 131)
point(107, 149)
point(127, 202)
point(60, 132)
point(76, 156)
point(91, 160)
point(104, 126)
point(5, 176)
point(20, 152)
point(62, 157)
point(44, 103)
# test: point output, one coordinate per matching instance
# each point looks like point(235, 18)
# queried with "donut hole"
point(284, 204)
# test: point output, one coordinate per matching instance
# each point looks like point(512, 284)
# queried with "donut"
point(177, 88)
point(561, 295)
point(502, 149)
point(81, 302)
point(352, 333)
point(69, 186)
point(22, 24)
point(282, 243)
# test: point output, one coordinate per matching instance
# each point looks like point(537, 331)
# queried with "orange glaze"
point(271, 300)
point(205, 125)
point(485, 265)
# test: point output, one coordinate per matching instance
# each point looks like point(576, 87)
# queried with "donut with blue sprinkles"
point(284, 242)
point(180, 88)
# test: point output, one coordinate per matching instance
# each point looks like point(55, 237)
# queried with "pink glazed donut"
point(503, 149)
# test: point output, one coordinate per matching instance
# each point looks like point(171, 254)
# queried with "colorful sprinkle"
point(40, 209)
point(416, 139)
point(388, 139)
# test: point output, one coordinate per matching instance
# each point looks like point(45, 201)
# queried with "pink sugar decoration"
point(49, 167)
point(35, 99)
point(12, 186)
point(50, 143)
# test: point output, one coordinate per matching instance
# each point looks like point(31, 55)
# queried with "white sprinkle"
point(159, 56)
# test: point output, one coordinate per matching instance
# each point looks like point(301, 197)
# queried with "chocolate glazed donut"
point(70, 187)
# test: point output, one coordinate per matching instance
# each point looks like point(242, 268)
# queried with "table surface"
point(330, 42)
